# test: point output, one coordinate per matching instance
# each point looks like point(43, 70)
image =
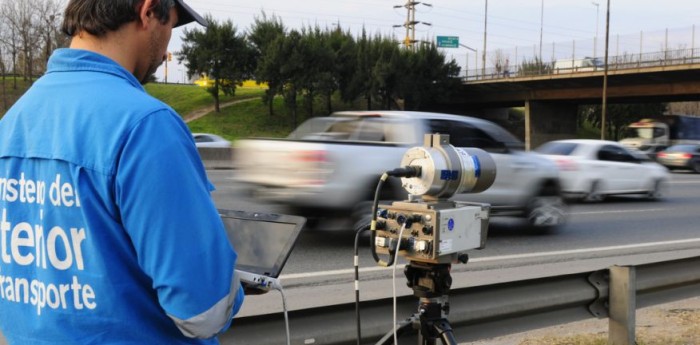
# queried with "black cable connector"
point(407, 171)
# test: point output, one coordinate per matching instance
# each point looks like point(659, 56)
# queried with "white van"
point(586, 64)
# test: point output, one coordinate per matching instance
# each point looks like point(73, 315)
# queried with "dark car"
point(681, 156)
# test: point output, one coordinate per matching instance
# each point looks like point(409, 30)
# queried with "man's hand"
point(249, 290)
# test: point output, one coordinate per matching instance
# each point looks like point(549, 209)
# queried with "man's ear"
point(145, 13)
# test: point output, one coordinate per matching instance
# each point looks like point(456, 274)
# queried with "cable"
point(373, 224)
point(393, 280)
point(278, 287)
point(358, 232)
point(407, 171)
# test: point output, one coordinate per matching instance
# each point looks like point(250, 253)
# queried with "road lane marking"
point(685, 182)
point(619, 211)
point(499, 258)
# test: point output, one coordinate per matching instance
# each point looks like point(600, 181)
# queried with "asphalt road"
point(617, 221)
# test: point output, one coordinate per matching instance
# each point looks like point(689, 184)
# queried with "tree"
point(428, 77)
point(220, 53)
point(292, 69)
point(534, 67)
point(10, 37)
point(360, 84)
point(619, 116)
point(263, 34)
point(318, 77)
point(388, 71)
point(342, 45)
point(48, 18)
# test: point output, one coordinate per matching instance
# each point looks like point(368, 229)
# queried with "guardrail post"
point(623, 305)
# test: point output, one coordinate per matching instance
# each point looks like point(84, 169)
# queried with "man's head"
point(142, 29)
point(98, 17)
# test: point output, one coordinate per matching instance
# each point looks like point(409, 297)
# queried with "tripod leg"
point(444, 329)
point(401, 328)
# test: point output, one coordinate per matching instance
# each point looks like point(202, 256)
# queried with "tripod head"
point(428, 280)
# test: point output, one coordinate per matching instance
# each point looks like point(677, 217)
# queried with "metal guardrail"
point(492, 310)
point(615, 63)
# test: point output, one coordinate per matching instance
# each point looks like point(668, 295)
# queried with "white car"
point(210, 140)
point(594, 169)
point(328, 168)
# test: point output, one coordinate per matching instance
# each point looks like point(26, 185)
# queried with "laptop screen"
point(263, 241)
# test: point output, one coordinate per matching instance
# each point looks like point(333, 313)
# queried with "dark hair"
point(98, 17)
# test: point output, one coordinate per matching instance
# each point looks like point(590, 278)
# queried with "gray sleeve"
point(217, 318)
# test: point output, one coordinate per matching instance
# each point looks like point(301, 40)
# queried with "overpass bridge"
point(551, 97)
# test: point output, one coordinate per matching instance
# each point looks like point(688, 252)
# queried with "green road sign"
point(448, 42)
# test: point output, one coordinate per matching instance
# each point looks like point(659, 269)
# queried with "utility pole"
point(169, 57)
point(595, 40)
point(466, 64)
point(411, 22)
point(541, 27)
point(605, 76)
point(483, 56)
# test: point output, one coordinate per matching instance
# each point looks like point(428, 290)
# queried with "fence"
point(659, 48)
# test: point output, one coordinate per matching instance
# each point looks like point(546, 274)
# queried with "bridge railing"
point(615, 63)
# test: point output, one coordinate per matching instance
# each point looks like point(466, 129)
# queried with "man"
point(108, 233)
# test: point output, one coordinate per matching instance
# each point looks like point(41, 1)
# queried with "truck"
point(653, 135)
point(328, 168)
point(587, 64)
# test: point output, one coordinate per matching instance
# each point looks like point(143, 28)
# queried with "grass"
point(251, 119)
point(8, 93)
point(246, 119)
point(185, 98)
point(242, 120)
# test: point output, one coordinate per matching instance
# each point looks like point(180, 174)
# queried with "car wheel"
point(594, 194)
point(658, 191)
point(546, 212)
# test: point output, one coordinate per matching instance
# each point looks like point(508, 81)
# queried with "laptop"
point(263, 242)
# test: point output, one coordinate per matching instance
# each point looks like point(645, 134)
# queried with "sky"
point(566, 28)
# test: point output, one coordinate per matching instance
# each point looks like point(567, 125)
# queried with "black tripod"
point(431, 284)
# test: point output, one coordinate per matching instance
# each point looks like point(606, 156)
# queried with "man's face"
point(158, 46)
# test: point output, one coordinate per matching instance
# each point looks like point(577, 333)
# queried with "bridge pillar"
point(548, 121)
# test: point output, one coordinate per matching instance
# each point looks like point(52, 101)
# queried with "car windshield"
point(500, 134)
point(557, 148)
point(682, 148)
point(644, 133)
point(312, 127)
point(350, 128)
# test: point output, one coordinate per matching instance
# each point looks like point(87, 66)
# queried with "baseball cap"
point(187, 15)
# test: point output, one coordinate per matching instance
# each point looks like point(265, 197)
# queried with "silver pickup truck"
point(328, 168)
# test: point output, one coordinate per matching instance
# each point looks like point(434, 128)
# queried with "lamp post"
point(603, 114)
point(595, 39)
point(466, 60)
point(541, 27)
point(483, 56)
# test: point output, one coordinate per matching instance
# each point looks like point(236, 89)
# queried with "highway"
point(616, 222)
point(618, 231)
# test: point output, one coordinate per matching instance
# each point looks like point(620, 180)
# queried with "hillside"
point(185, 99)
point(243, 115)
